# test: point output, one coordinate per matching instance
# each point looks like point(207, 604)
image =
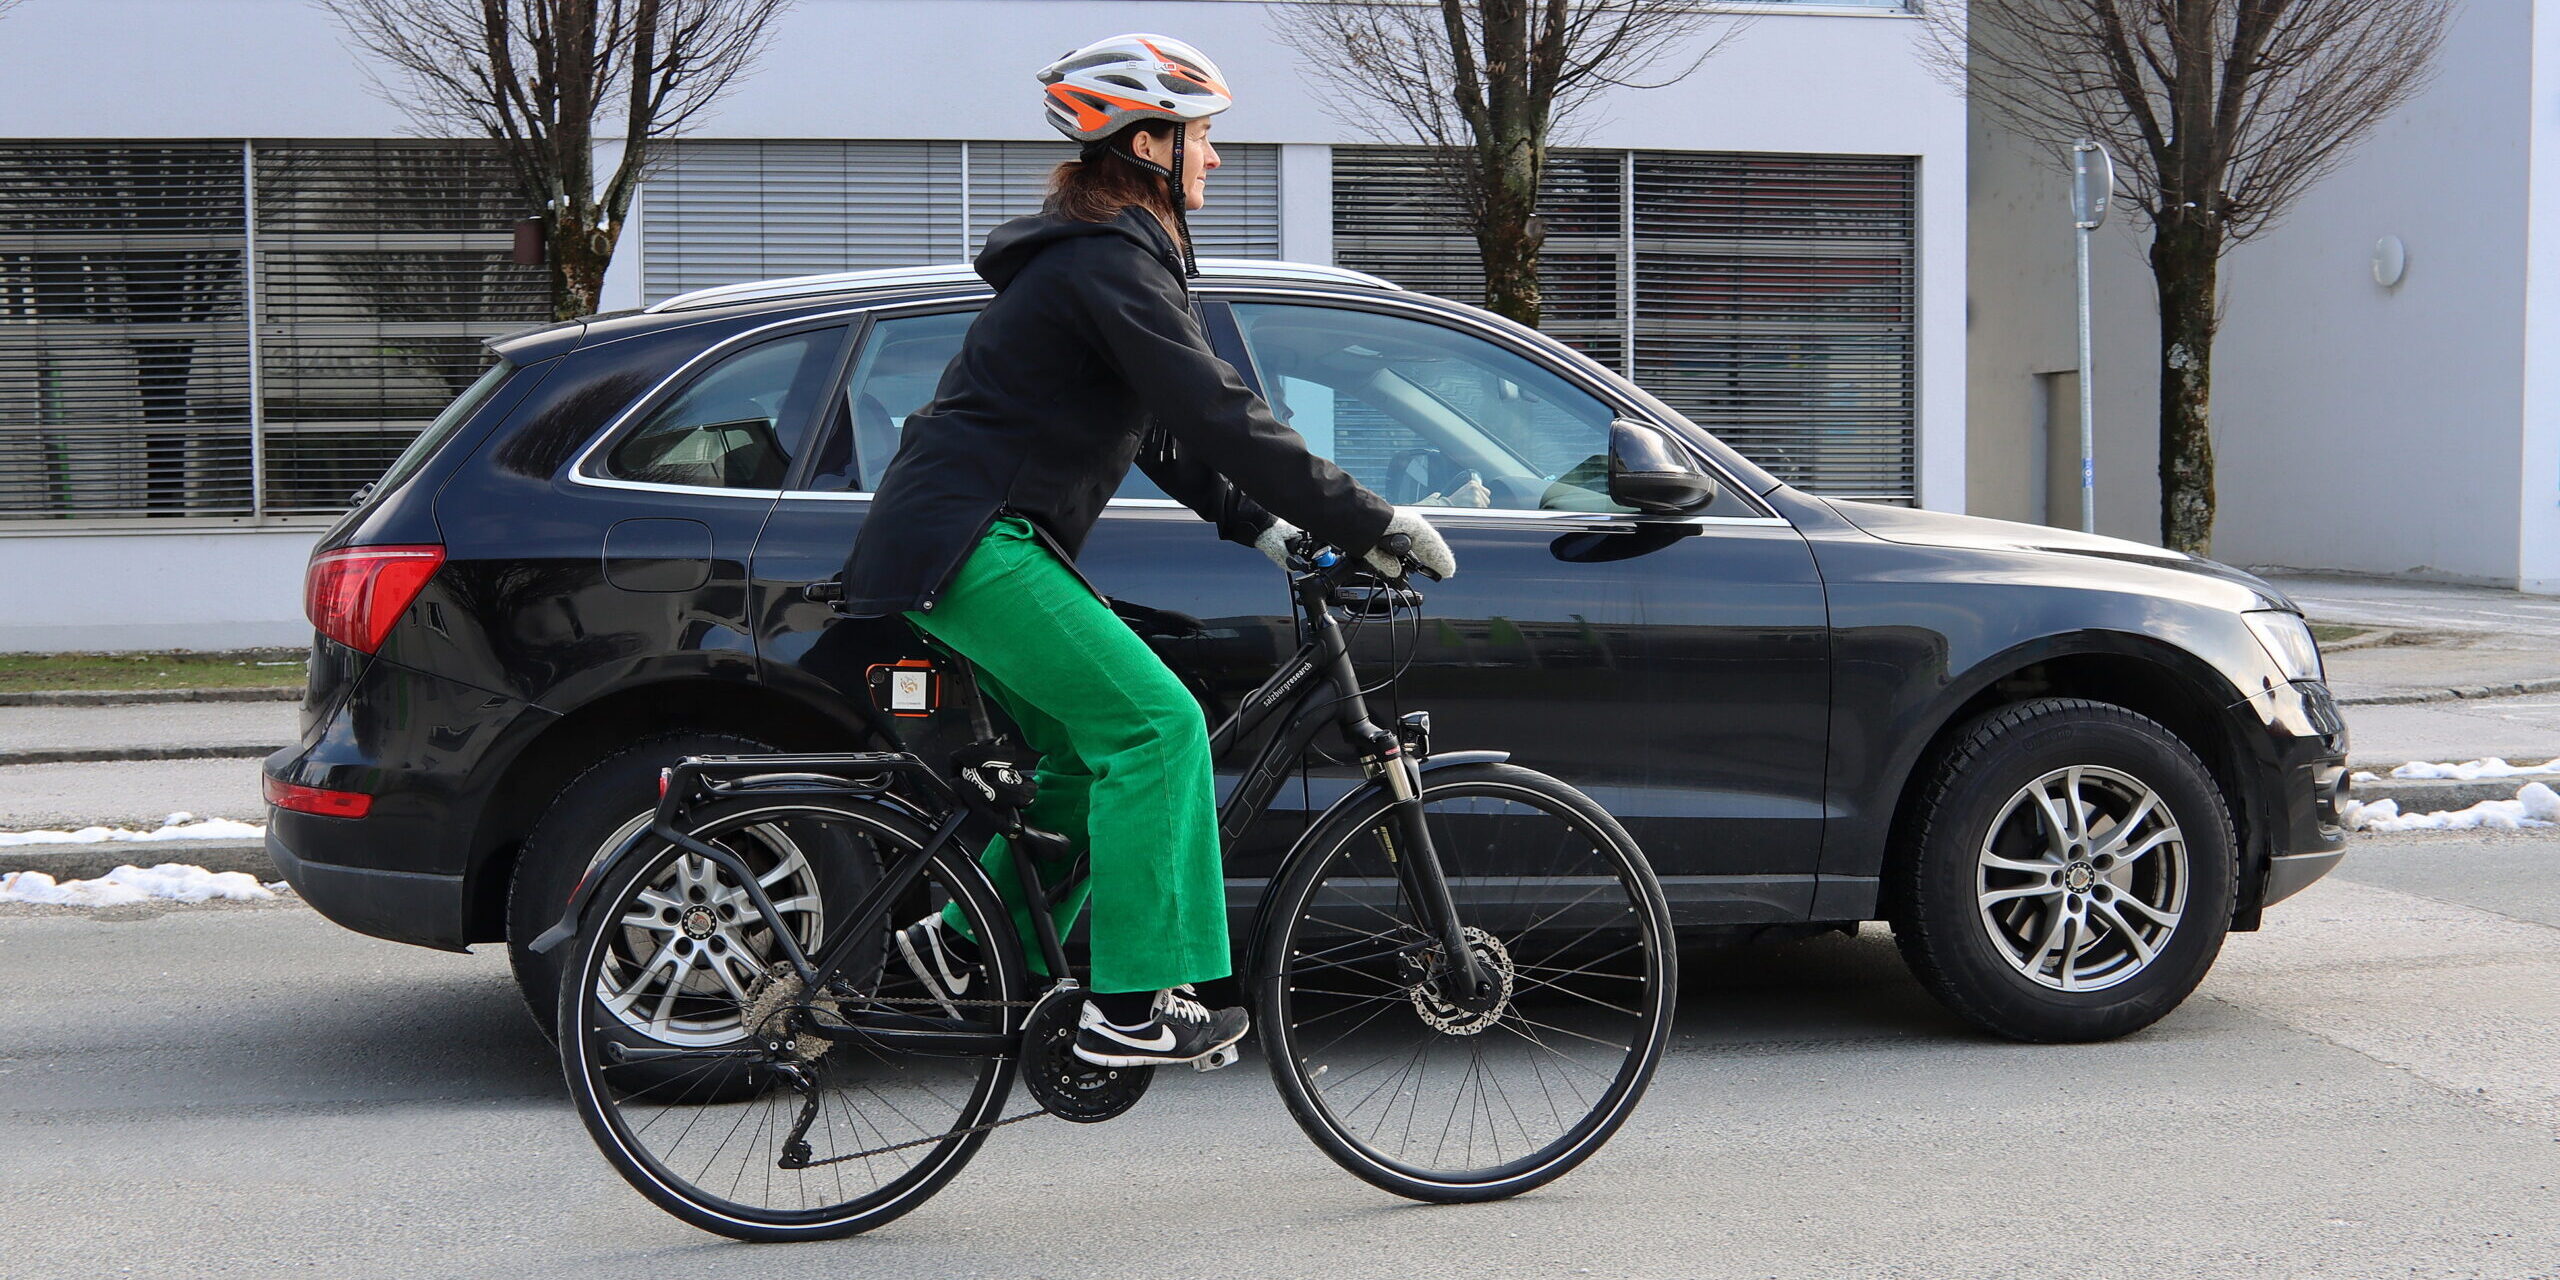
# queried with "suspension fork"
point(1417, 865)
point(1408, 839)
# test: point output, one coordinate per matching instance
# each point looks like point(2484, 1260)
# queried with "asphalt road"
point(2366, 1088)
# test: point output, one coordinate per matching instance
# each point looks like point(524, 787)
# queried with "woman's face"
point(1198, 158)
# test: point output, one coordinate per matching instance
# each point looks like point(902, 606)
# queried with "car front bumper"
point(2301, 832)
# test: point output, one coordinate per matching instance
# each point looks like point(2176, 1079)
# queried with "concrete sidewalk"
point(148, 730)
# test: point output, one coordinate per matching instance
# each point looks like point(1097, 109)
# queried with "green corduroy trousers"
point(1124, 761)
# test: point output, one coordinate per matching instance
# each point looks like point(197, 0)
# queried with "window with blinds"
point(1768, 297)
point(127, 288)
point(720, 213)
point(124, 331)
point(382, 266)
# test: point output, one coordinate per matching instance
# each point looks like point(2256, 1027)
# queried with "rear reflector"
point(353, 595)
point(302, 799)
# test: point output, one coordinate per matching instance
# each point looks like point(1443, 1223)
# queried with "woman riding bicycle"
point(1088, 359)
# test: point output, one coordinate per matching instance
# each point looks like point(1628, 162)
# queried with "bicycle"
point(1452, 923)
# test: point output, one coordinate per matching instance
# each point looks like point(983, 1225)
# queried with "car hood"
point(1913, 526)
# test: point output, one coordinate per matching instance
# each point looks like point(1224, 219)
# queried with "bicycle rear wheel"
point(1410, 1090)
point(781, 1134)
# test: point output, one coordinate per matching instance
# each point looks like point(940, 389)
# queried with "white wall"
point(228, 589)
point(2538, 497)
point(2356, 427)
point(2377, 429)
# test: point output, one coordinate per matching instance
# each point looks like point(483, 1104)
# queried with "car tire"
point(582, 823)
point(2066, 874)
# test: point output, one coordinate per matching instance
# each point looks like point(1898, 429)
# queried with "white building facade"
point(233, 282)
point(2405, 428)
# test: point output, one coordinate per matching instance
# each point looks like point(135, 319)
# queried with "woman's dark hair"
point(1096, 187)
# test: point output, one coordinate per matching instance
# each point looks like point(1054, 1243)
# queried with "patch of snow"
point(2469, 770)
point(2536, 805)
point(174, 881)
point(177, 826)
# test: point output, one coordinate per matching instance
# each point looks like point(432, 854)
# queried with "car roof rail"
point(961, 273)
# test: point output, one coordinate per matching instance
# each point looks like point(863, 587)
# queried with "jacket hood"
point(1011, 247)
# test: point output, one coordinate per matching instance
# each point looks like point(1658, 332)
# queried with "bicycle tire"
point(1297, 951)
point(587, 1019)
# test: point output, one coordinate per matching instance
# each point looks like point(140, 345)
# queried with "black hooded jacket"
point(1090, 338)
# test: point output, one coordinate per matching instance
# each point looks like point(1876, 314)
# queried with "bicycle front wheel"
point(776, 1132)
point(1444, 1100)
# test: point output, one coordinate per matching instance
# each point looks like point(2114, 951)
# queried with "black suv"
point(2062, 766)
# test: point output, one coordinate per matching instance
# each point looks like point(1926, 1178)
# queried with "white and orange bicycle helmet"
point(1104, 87)
point(1096, 92)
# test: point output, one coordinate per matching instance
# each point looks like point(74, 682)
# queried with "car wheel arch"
point(2142, 674)
point(524, 782)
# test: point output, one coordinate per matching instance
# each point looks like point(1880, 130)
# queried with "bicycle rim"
point(1417, 1093)
point(712, 1135)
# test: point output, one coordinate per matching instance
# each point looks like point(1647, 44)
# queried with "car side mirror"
point(1650, 472)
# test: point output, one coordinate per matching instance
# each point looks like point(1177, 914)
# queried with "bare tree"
point(545, 79)
point(2220, 114)
point(1485, 85)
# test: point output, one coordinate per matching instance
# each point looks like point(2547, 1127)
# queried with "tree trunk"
point(1510, 234)
point(578, 250)
point(2184, 262)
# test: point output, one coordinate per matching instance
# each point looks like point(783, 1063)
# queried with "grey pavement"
point(135, 794)
point(148, 724)
point(2422, 606)
point(2361, 1090)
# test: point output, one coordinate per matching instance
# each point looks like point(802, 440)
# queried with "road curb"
point(131, 697)
point(92, 860)
point(110, 755)
point(2457, 693)
point(2434, 795)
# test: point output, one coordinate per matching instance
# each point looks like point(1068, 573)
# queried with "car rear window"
point(442, 429)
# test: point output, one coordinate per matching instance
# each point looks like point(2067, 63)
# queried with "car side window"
point(1430, 416)
point(734, 426)
point(895, 375)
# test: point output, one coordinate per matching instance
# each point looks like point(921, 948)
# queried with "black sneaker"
point(929, 950)
point(1182, 1030)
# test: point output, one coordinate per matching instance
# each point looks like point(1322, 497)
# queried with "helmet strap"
point(1181, 199)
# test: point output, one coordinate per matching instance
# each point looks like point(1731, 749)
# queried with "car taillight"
point(354, 595)
point(302, 799)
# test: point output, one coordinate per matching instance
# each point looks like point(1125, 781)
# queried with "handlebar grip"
point(1397, 545)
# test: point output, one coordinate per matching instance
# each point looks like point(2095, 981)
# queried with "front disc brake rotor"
point(1065, 1085)
point(1451, 1019)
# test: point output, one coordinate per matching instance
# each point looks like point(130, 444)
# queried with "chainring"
point(1065, 1085)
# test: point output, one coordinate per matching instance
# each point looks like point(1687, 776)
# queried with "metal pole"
point(964, 199)
point(1627, 251)
point(2093, 180)
point(2088, 400)
point(249, 295)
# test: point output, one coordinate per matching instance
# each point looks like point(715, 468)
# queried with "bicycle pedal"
point(1226, 1057)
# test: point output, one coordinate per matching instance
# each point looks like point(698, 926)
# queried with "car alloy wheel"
point(2082, 878)
point(693, 947)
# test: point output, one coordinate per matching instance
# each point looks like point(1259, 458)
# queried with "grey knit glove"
point(1429, 548)
point(1274, 541)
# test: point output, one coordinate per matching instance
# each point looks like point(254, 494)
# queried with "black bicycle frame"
point(1316, 687)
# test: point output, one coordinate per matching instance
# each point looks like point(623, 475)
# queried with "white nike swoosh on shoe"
point(1162, 1041)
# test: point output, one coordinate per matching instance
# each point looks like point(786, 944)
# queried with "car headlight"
point(2287, 639)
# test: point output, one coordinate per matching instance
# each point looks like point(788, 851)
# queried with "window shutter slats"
point(1773, 295)
point(726, 212)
